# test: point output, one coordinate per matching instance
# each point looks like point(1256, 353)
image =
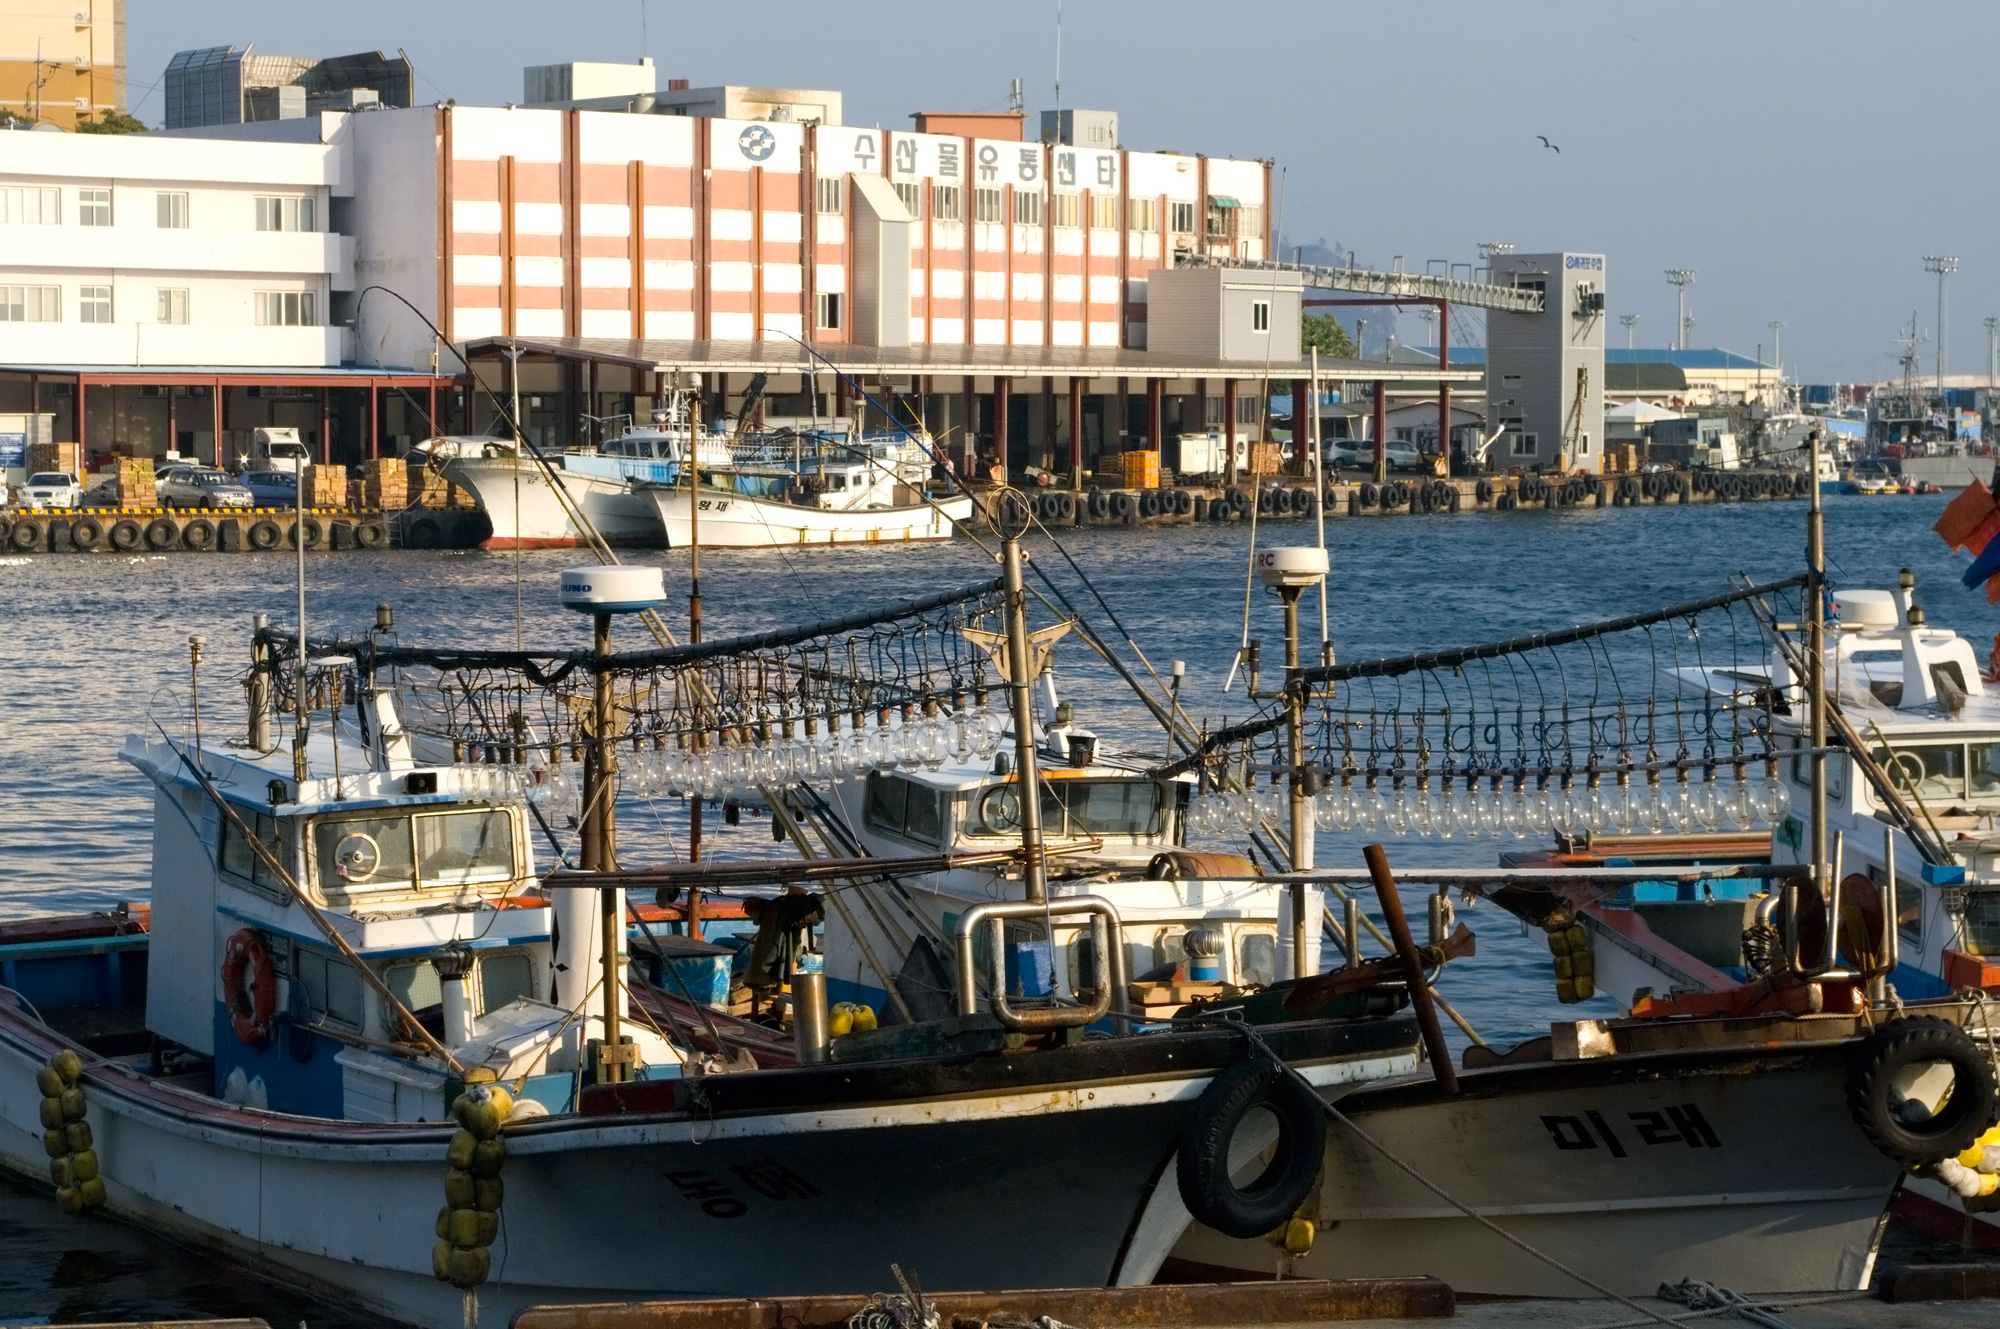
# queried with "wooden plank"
point(1172, 1306)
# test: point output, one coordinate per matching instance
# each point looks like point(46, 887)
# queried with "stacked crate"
point(325, 487)
point(385, 484)
point(56, 457)
point(135, 483)
point(1142, 470)
point(1267, 458)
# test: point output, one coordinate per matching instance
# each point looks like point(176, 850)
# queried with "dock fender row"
point(265, 534)
point(1202, 1161)
point(1483, 490)
point(1124, 506)
point(1183, 502)
point(249, 987)
point(1238, 500)
point(1910, 1132)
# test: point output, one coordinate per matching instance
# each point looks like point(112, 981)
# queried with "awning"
point(1222, 201)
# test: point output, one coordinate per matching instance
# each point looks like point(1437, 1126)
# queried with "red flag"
point(1970, 520)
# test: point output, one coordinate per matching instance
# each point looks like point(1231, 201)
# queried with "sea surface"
point(94, 648)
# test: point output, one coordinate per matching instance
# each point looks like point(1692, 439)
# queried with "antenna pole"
point(1020, 682)
point(1816, 673)
point(299, 769)
point(694, 631)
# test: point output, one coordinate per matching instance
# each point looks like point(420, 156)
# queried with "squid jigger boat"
point(358, 952)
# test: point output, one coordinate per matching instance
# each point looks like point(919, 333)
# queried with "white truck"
point(273, 448)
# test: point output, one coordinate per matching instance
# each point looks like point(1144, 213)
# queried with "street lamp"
point(1941, 266)
point(1680, 279)
point(1630, 321)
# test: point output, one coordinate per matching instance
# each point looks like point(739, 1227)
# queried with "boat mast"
point(694, 635)
point(1010, 511)
point(1816, 685)
point(599, 838)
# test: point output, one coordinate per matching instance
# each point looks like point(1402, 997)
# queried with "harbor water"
point(96, 648)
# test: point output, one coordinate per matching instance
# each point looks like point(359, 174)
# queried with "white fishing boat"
point(556, 502)
point(353, 931)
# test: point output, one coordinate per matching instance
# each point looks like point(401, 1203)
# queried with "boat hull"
point(1741, 1169)
point(526, 512)
point(740, 521)
point(1021, 1185)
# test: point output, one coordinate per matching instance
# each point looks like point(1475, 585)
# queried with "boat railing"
point(1108, 937)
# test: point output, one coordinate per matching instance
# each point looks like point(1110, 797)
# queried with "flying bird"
point(1550, 146)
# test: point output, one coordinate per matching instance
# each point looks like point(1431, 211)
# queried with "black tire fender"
point(1370, 494)
point(199, 534)
point(263, 534)
point(1893, 1049)
point(1202, 1161)
point(1483, 491)
point(25, 535)
point(1239, 501)
point(371, 535)
point(126, 535)
point(162, 533)
point(86, 533)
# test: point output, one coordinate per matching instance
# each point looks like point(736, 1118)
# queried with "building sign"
point(1584, 262)
point(757, 142)
point(13, 449)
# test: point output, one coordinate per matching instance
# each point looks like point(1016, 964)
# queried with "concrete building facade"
point(1553, 419)
point(61, 59)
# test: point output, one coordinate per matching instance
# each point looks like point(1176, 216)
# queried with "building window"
point(173, 211)
point(30, 304)
point(1260, 316)
point(173, 302)
point(1525, 445)
point(1249, 223)
point(93, 207)
point(1180, 218)
point(944, 202)
point(286, 309)
point(1583, 445)
point(31, 207)
point(830, 194)
point(93, 304)
point(829, 311)
point(913, 199)
point(1145, 214)
point(1066, 210)
point(986, 205)
point(1104, 212)
point(287, 214)
point(1027, 209)
point(1249, 410)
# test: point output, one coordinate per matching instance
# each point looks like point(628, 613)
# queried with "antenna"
point(1015, 101)
point(1942, 265)
point(1680, 279)
point(1058, 71)
point(1777, 327)
point(1992, 350)
point(1630, 321)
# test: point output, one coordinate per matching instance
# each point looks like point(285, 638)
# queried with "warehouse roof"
point(784, 356)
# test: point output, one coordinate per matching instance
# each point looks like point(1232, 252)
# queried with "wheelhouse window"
point(330, 989)
point(499, 978)
point(1946, 775)
point(905, 809)
point(1074, 807)
point(394, 853)
point(240, 860)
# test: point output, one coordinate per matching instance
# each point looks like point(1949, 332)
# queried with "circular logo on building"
point(757, 142)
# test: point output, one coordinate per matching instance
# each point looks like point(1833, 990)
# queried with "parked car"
point(201, 487)
point(162, 474)
point(271, 489)
point(1337, 452)
point(1402, 455)
point(52, 489)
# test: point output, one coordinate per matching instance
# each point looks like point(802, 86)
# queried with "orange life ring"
point(252, 1005)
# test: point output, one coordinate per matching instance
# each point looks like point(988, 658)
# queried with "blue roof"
point(1467, 356)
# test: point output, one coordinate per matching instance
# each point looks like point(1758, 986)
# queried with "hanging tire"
point(162, 533)
point(1239, 501)
point(1483, 491)
point(1097, 503)
point(1149, 503)
point(198, 534)
point(1263, 502)
point(315, 532)
point(1505, 503)
point(1370, 495)
point(1281, 502)
point(1628, 488)
point(262, 535)
point(1686, 490)
point(1202, 1161)
point(1873, 1096)
point(424, 533)
point(371, 534)
point(86, 533)
point(25, 536)
point(1183, 502)
point(126, 535)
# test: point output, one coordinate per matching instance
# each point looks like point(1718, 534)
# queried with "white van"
point(278, 449)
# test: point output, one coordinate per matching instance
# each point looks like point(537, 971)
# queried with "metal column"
point(1454, 465)
point(1155, 409)
point(1381, 427)
point(1076, 386)
point(1228, 429)
point(1002, 391)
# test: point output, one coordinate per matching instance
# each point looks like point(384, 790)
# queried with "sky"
point(1801, 157)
